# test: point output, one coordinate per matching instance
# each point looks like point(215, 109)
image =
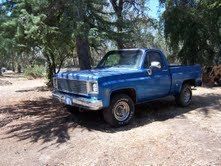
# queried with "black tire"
point(185, 97)
point(72, 109)
point(113, 115)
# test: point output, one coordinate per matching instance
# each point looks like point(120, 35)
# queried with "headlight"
point(94, 87)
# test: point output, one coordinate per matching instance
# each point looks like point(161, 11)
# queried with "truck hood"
point(95, 74)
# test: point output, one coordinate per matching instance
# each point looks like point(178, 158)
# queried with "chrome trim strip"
point(75, 79)
point(83, 94)
point(65, 91)
point(79, 101)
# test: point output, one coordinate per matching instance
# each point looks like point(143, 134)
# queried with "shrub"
point(36, 71)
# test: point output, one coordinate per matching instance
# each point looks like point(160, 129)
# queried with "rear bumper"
point(87, 103)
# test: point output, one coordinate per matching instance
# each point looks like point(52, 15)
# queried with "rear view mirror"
point(155, 64)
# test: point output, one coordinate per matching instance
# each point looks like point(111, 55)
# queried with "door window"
point(155, 57)
point(152, 57)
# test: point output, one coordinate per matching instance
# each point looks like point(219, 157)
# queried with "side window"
point(151, 57)
point(155, 57)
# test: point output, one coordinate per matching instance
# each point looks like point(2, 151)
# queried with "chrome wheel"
point(186, 95)
point(121, 111)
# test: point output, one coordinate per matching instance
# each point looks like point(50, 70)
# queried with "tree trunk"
point(0, 70)
point(51, 68)
point(83, 52)
point(120, 44)
point(19, 68)
point(118, 9)
point(119, 40)
point(13, 66)
point(50, 72)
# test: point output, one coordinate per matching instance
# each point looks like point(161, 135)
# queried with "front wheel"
point(185, 97)
point(120, 111)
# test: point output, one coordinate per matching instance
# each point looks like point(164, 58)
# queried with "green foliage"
point(35, 71)
point(131, 25)
point(112, 60)
point(54, 31)
point(192, 29)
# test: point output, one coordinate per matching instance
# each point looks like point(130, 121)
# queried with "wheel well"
point(129, 91)
point(191, 82)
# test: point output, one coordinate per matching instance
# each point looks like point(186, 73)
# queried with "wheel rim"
point(121, 111)
point(187, 96)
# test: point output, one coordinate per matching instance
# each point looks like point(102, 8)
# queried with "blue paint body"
point(161, 83)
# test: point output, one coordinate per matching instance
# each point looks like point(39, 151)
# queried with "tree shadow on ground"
point(37, 89)
point(47, 120)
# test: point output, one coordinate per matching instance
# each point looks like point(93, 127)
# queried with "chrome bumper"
point(91, 104)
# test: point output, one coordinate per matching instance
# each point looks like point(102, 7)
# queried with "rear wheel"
point(185, 97)
point(120, 111)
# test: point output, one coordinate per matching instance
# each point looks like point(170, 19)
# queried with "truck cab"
point(124, 78)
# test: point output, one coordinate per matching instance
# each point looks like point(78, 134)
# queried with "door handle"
point(149, 71)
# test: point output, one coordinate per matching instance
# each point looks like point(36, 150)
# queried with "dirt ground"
point(35, 130)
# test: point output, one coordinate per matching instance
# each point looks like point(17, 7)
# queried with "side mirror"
point(155, 64)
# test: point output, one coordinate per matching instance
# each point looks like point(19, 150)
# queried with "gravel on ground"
point(35, 130)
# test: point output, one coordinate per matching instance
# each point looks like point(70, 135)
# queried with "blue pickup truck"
point(124, 78)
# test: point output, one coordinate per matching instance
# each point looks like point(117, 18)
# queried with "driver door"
point(158, 80)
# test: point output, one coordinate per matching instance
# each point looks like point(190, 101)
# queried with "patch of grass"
point(36, 71)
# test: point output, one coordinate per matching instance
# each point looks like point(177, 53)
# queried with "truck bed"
point(193, 70)
point(180, 73)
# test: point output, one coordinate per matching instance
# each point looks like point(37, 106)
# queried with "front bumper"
point(87, 103)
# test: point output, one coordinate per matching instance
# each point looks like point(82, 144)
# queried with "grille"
point(73, 86)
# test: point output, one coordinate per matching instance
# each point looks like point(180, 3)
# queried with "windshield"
point(123, 58)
